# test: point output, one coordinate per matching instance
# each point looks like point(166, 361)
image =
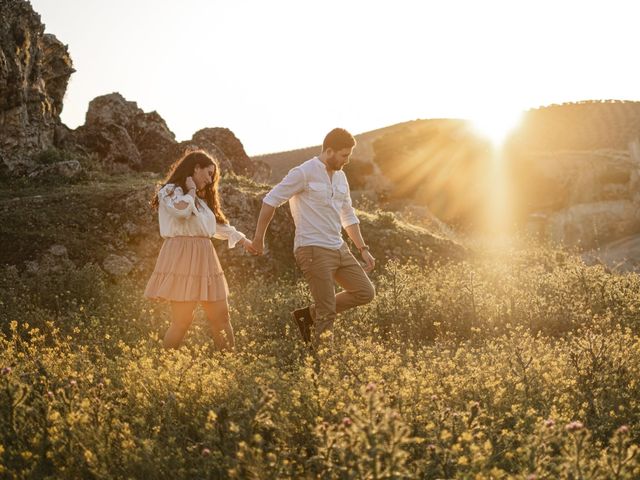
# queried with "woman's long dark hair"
point(183, 168)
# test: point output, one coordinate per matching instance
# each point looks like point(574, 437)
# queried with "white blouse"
point(196, 220)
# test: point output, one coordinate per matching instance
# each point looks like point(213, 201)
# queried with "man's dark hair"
point(337, 139)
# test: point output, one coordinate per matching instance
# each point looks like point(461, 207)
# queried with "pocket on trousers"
point(304, 257)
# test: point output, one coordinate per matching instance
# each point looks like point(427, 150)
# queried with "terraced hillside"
point(588, 125)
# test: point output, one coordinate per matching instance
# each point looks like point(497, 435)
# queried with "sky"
point(282, 73)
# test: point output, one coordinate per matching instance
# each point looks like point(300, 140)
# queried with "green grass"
point(34, 217)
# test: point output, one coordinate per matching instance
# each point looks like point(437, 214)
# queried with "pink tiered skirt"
point(187, 270)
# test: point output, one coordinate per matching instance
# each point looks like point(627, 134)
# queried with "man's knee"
point(366, 294)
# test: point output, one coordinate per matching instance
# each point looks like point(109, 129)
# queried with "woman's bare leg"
point(182, 313)
point(221, 329)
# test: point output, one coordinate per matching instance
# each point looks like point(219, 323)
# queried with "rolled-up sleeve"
point(169, 195)
point(290, 185)
point(229, 233)
point(347, 212)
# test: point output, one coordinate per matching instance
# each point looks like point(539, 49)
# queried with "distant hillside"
point(282, 162)
point(588, 125)
point(569, 169)
point(584, 125)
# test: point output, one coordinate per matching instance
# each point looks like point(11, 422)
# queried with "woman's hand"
point(248, 246)
point(190, 184)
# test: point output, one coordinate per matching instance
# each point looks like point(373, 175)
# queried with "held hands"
point(258, 245)
point(248, 246)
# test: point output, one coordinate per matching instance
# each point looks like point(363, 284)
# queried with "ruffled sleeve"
point(229, 233)
point(170, 195)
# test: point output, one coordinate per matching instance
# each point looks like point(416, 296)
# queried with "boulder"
point(111, 108)
point(117, 265)
point(122, 135)
point(234, 156)
point(111, 144)
point(152, 138)
point(54, 260)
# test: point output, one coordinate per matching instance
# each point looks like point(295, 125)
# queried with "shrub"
point(524, 368)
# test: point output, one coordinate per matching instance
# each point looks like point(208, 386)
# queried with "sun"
point(496, 125)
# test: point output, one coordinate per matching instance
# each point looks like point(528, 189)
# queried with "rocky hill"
point(34, 71)
point(74, 197)
point(35, 68)
point(109, 222)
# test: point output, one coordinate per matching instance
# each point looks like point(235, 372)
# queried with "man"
point(320, 202)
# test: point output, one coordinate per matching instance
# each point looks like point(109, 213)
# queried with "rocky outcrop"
point(123, 136)
point(117, 265)
point(234, 156)
point(575, 171)
point(581, 199)
point(34, 71)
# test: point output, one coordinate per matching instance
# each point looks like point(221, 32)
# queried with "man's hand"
point(369, 261)
point(264, 218)
point(258, 245)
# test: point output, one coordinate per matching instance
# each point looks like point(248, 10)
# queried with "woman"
point(188, 271)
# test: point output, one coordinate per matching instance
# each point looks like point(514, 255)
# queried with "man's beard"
point(335, 164)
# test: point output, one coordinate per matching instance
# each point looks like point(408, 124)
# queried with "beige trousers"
point(322, 267)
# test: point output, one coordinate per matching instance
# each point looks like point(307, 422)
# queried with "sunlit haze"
point(280, 74)
point(496, 125)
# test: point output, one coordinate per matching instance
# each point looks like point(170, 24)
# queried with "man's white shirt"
point(320, 205)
